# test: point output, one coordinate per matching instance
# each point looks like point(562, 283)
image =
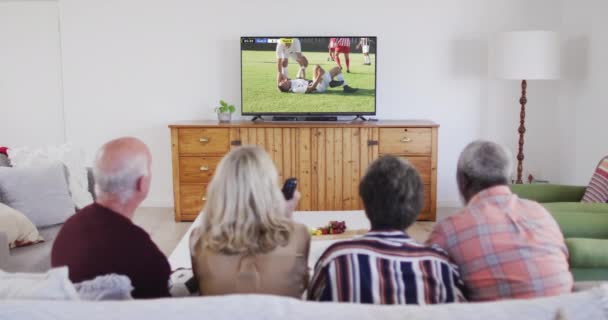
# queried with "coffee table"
point(356, 222)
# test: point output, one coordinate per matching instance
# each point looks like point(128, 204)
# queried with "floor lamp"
point(524, 55)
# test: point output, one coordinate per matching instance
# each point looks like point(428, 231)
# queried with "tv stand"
point(328, 158)
point(360, 117)
point(257, 117)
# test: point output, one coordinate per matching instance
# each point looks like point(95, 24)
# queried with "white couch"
point(587, 305)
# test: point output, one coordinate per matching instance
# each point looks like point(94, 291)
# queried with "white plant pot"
point(224, 117)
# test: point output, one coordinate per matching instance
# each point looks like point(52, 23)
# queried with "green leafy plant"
point(225, 107)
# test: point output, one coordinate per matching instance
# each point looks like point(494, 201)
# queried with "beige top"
point(283, 271)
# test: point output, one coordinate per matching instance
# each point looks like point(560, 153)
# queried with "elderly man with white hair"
point(504, 246)
point(101, 238)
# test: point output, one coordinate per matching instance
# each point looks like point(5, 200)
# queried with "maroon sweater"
point(98, 241)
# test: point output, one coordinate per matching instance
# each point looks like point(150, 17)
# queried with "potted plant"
point(224, 111)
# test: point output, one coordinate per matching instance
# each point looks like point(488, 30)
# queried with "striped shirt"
point(505, 247)
point(385, 268)
point(343, 42)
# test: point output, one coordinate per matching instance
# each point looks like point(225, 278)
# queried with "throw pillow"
point(107, 287)
point(52, 285)
point(19, 230)
point(40, 193)
point(597, 191)
point(72, 158)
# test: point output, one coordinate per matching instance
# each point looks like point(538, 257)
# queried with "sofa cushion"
point(597, 191)
point(53, 285)
point(41, 193)
point(588, 253)
point(580, 220)
point(19, 230)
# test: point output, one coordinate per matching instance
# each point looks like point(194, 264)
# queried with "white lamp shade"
point(525, 55)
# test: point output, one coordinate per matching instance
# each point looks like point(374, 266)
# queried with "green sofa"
point(584, 225)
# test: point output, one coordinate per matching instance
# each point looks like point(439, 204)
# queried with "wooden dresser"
point(327, 158)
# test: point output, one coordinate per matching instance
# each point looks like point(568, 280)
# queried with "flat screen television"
point(308, 75)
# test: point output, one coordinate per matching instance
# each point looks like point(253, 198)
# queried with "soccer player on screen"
point(332, 49)
point(319, 84)
point(364, 45)
point(290, 47)
point(343, 47)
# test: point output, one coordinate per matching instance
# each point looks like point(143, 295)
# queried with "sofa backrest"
point(591, 304)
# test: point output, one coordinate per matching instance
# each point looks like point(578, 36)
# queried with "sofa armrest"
point(4, 251)
point(549, 192)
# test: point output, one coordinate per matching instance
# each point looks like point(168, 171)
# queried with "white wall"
point(132, 67)
point(501, 110)
point(30, 74)
point(583, 103)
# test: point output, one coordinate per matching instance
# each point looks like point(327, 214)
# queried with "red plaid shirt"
point(505, 247)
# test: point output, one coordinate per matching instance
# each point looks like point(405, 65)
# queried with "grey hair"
point(483, 164)
point(121, 183)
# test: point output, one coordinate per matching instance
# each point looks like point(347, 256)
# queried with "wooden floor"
point(166, 233)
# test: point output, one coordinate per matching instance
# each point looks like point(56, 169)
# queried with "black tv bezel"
point(313, 113)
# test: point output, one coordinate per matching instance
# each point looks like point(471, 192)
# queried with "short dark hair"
point(391, 191)
point(282, 90)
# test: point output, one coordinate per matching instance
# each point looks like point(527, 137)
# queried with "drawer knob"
point(204, 140)
point(406, 139)
point(205, 168)
point(204, 198)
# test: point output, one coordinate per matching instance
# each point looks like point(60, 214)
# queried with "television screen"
point(308, 75)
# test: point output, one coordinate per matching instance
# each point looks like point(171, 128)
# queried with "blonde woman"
point(247, 241)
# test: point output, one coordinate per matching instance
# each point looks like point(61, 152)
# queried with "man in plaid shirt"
point(505, 247)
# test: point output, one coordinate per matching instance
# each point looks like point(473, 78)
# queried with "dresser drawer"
point(192, 198)
point(197, 169)
point(405, 141)
point(204, 141)
point(423, 166)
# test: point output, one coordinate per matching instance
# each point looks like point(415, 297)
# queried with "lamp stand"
point(521, 130)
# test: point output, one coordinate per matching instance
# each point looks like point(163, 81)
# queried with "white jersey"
point(284, 52)
point(365, 45)
point(324, 83)
point(299, 85)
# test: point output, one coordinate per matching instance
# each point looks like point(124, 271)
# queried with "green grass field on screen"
point(260, 94)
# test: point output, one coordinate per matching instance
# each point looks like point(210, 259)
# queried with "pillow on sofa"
point(587, 253)
point(40, 193)
point(18, 228)
point(597, 191)
point(72, 158)
point(53, 285)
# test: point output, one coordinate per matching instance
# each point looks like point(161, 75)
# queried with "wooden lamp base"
point(522, 129)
